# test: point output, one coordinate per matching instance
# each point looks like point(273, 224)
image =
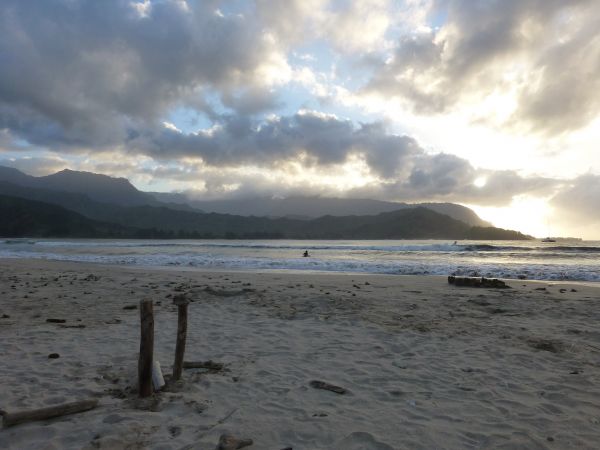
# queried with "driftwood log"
point(208, 365)
point(63, 409)
point(477, 282)
point(146, 348)
point(328, 387)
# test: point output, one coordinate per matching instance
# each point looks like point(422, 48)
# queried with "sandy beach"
point(425, 364)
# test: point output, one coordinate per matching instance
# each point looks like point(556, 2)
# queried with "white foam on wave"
point(445, 247)
point(398, 267)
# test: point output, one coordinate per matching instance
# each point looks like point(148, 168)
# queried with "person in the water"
point(306, 255)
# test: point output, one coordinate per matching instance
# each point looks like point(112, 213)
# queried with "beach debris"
point(477, 282)
point(228, 442)
point(5, 316)
point(480, 301)
point(573, 290)
point(112, 321)
point(541, 289)
point(91, 277)
point(53, 356)
point(146, 348)
point(10, 419)
point(130, 307)
point(328, 387)
point(182, 306)
point(562, 291)
point(546, 345)
point(55, 320)
point(209, 365)
point(158, 380)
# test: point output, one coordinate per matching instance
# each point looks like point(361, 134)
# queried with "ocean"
point(534, 260)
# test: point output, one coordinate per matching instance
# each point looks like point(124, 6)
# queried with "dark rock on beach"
point(55, 320)
point(546, 345)
point(227, 442)
point(328, 387)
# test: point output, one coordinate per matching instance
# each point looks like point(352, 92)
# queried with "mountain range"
point(313, 207)
point(113, 207)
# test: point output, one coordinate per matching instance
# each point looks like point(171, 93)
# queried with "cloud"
point(447, 178)
point(335, 23)
point(580, 200)
point(577, 207)
point(111, 82)
point(36, 166)
point(238, 140)
point(519, 48)
point(314, 152)
point(315, 143)
point(89, 74)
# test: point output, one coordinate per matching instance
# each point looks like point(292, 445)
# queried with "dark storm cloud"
point(86, 73)
point(480, 43)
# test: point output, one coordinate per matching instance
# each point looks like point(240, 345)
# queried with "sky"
point(493, 104)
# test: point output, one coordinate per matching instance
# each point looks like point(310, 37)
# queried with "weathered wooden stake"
point(182, 305)
point(48, 412)
point(146, 348)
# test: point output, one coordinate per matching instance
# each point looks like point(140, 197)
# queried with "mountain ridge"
point(20, 217)
point(120, 191)
point(311, 207)
point(98, 187)
point(176, 220)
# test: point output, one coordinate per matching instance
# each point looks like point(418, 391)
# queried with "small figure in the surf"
point(305, 254)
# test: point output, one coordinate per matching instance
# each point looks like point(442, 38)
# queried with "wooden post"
point(146, 348)
point(48, 412)
point(182, 305)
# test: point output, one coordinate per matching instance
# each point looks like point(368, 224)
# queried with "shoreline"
point(308, 272)
point(426, 364)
